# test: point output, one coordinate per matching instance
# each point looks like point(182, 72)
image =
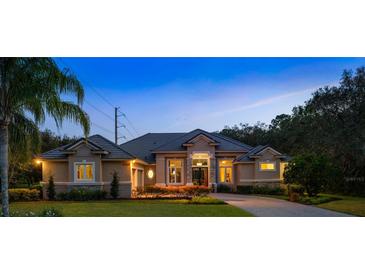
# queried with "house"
point(163, 159)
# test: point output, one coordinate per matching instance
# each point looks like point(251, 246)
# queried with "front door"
point(200, 175)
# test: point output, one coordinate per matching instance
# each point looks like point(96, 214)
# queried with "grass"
point(340, 203)
point(347, 204)
point(131, 208)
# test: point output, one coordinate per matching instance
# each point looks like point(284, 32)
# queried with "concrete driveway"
point(270, 207)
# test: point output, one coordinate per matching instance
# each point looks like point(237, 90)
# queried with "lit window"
point(225, 171)
point(175, 167)
point(84, 171)
point(200, 162)
point(268, 166)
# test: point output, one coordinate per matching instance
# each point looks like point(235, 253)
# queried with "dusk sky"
point(181, 94)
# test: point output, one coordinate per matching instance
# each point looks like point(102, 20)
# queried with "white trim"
point(267, 162)
point(168, 171)
point(84, 180)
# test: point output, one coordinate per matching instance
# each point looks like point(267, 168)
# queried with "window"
point(225, 171)
point(84, 171)
point(200, 162)
point(267, 166)
point(174, 169)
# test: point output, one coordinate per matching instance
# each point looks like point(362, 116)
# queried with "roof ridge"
point(115, 145)
point(135, 138)
point(233, 141)
point(176, 138)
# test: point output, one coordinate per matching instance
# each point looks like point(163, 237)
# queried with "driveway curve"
point(270, 207)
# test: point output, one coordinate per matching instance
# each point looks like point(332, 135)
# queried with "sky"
point(182, 94)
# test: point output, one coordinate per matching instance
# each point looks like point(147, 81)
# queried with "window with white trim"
point(267, 166)
point(175, 171)
point(85, 171)
point(225, 171)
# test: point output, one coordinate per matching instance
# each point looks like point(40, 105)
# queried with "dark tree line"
point(330, 123)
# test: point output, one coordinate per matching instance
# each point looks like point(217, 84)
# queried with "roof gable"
point(95, 143)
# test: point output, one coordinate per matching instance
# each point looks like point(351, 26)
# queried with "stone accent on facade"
point(189, 170)
point(212, 170)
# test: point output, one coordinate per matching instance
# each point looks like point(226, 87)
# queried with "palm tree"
point(32, 89)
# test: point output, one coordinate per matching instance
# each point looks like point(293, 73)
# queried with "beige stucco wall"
point(149, 181)
point(57, 169)
point(121, 167)
point(250, 173)
point(84, 153)
point(161, 166)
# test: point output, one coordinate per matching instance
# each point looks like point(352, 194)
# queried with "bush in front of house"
point(51, 192)
point(223, 188)
point(263, 190)
point(173, 191)
point(114, 186)
point(82, 194)
point(23, 194)
point(314, 172)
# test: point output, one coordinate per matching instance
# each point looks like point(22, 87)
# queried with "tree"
point(114, 187)
point(30, 90)
point(51, 192)
point(311, 171)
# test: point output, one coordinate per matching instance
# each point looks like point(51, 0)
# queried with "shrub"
point(314, 172)
point(224, 188)
point(82, 194)
point(50, 212)
point(179, 191)
point(264, 190)
point(206, 200)
point(299, 189)
point(51, 192)
point(23, 194)
point(114, 187)
point(317, 200)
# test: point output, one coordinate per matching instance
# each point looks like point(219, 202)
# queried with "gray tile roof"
point(247, 157)
point(224, 143)
point(144, 146)
point(115, 152)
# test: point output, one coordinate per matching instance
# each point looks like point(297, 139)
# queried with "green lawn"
point(132, 208)
point(347, 204)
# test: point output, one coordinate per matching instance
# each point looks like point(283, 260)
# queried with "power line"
point(130, 122)
point(90, 86)
point(97, 109)
point(102, 128)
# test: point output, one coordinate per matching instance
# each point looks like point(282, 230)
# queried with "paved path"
point(270, 207)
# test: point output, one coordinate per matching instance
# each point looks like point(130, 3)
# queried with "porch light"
point(38, 162)
point(150, 174)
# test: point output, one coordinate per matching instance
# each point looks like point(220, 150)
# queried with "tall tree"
point(30, 90)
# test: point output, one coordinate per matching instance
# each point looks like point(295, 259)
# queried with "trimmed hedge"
point(177, 190)
point(265, 190)
point(23, 194)
point(82, 194)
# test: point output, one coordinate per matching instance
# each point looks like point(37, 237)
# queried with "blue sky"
point(181, 94)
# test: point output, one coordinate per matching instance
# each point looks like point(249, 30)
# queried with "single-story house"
point(163, 159)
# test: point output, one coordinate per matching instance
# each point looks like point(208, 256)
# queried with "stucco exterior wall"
point(83, 153)
point(147, 180)
point(57, 169)
point(161, 166)
point(245, 172)
point(267, 175)
point(121, 167)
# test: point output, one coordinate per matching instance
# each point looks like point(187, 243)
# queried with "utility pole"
point(116, 124)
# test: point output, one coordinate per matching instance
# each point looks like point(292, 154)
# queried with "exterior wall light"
point(38, 162)
point(150, 174)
